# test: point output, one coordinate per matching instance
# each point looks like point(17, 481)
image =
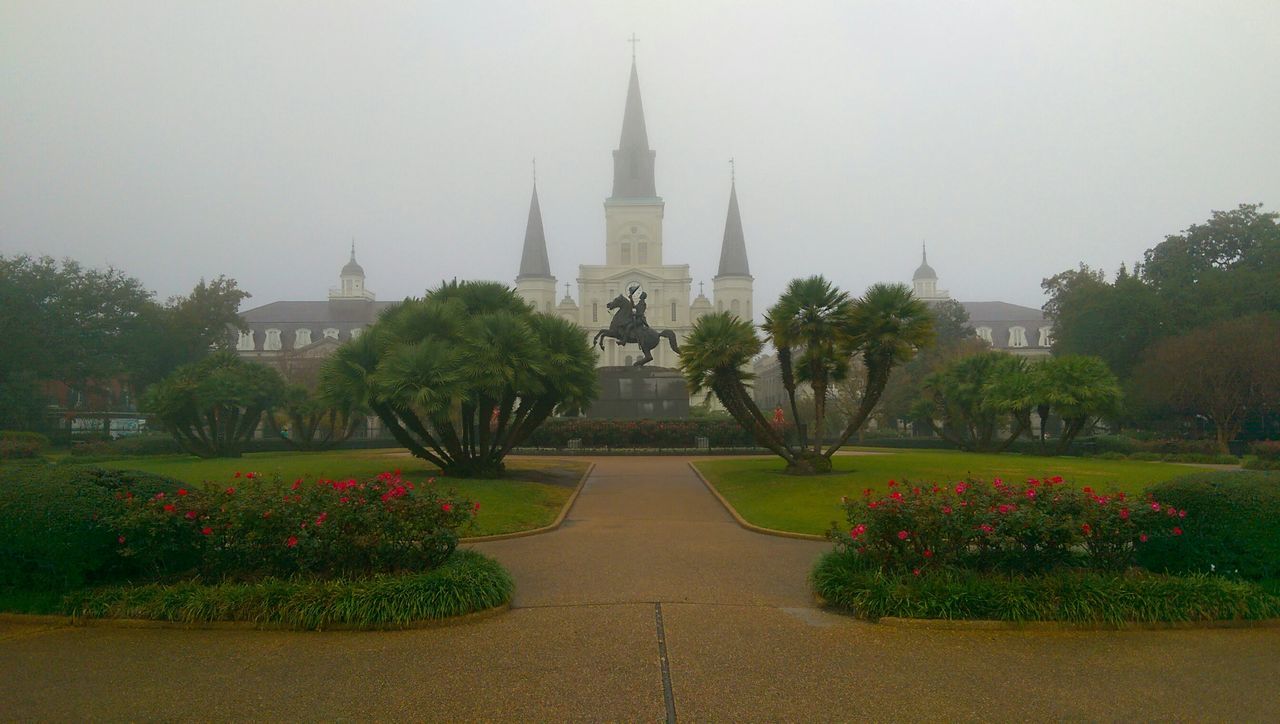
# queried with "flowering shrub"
point(1031, 527)
point(251, 528)
point(17, 449)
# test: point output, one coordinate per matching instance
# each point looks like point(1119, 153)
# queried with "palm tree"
point(886, 327)
point(465, 374)
point(813, 316)
point(1080, 388)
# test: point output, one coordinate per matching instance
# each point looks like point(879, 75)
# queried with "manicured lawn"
point(767, 497)
point(530, 497)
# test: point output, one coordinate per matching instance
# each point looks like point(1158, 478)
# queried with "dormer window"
point(984, 334)
point(1017, 337)
point(1046, 336)
point(245, 343)
point(357, 332)
point(301, 338)
point(272, 343)
point(331, 333)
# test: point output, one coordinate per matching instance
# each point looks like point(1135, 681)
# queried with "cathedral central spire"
point(633, 161)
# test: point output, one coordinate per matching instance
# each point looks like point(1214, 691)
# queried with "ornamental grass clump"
point(252, 528)
point(1031, 528)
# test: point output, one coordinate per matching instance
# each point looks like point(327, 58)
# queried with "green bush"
point(128, 446)
point(1266, 450)
point(19, 449)
point(1261, 464)
point(41, 441)
point(254, 529)
point(55, 527)
point(1233, 525)
point(1083, 597)
point(639, 433)
point(467, 582)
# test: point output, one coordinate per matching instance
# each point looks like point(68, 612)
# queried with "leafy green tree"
point(954, 339)
point(213, 406)
point(188, 327)
point(1223, 371)
point(884, 328)
point(971, 401)
point(465, 374)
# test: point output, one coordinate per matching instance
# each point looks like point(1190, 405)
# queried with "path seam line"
point(667, 696)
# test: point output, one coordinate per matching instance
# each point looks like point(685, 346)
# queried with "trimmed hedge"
point(1232, 525)
point(53, 523)
point(846, 583)
point(465, 583)
point(638, 433)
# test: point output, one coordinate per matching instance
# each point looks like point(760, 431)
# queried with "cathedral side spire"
point(633, 161)
point(534, 262)
point(733, 249)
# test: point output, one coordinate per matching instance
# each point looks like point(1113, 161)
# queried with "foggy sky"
point(176, 140)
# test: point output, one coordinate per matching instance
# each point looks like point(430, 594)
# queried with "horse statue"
point(628, 325)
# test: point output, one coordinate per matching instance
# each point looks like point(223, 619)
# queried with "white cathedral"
point(633, 248)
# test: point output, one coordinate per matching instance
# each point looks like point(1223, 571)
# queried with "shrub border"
point(743, 521)
point(553, 525)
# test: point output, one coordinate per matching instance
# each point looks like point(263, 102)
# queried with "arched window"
point(1046, 336)
point(626, 252)
point(301, 338)
point(984, 334)
point(736, 307)
point(272, 343)
point(643, 253)
point(245, 343)
point(628, 360)
point(673, 310)
point(1017, 337)
point(331, 333)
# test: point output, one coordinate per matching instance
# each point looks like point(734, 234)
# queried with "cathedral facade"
point(634, 249)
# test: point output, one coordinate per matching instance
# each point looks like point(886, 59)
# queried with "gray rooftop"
point(633, 161)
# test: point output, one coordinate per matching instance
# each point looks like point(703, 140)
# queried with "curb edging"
point(743, 521)
point(147, 623)
point(564, 512)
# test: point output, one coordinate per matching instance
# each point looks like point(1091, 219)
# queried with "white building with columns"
point(635, 253)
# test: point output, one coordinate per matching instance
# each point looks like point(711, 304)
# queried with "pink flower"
point(1005, 508)
point(903, 535)
point(120, 540)
point(961, 487)
point(191, 515)
point(985, 528)
point(1177, 530)
point(1124, 514)
point(915, 571)
point(1031, 493)
point(1155, 506)
point(1143, 537)
point(206, 530)
point(291, 541)
point(159, 496)
point(946, 509)
point(1182, 513)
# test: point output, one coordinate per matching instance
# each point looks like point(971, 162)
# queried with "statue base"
point(640, 393)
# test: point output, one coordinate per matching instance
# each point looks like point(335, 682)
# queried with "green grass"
point(766, 496)
point(523, 500)
point(1074, 596)
point(468, 582)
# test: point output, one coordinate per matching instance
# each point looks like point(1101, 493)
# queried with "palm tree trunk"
point(789, 384)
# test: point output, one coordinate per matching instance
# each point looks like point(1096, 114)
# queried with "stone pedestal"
point(636, 393)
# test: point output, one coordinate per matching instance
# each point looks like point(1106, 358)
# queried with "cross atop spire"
point(733, 172)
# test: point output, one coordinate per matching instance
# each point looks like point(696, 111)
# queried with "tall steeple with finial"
point(633, 211)
point(534, 281)
point(732, 284)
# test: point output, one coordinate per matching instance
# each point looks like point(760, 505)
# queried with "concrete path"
point(649, 602)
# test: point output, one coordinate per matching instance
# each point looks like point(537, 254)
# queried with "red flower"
point(928, 553)
point(893, 483)
point(168, 507)
point(1056, 479)
point(320, 519)
point(1031, 493)
point(120, 540)
point(446, 507)
point(1155, 506)
point(1124, 514)
point(206, 530)
point(1005, 508)
point(903, 535)
point(231, 491)
point(475, 508)
point(946, 509)
point(895, 495)
point(251, 476)
point(961, 487)
point(237, 474)
point(191, 515)
point(159, 496)
point(1086, 528)
point(915, 571)
point(296, 484)
point(291, 541)
point(182, 491)
point(1177, 530)
point(266, 514)
point(1143, 537)
point(1088, 490)
point(985, 528)
point(1182, 513)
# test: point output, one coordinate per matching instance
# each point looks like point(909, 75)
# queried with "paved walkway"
point(646, 564)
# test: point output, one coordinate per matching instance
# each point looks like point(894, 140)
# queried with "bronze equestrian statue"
point(629, 325)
